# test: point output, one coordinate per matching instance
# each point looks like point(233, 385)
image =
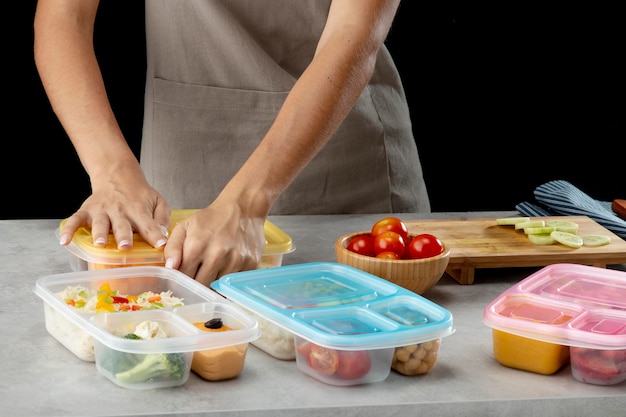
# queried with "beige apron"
point(218, 72)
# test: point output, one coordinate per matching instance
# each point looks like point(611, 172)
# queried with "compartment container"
point(346, 323)
point(96, 331)
point(563, 313)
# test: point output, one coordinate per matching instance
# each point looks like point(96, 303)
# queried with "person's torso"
point(218, 72)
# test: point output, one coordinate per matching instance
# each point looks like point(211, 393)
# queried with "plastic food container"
point(274, 340)
point(83, 255)
point(346, 323)
point(99, 335)
point(563, 313)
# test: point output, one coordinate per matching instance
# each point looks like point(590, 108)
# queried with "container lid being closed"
point(566, 304)
point(337, 306)
point(277, 242)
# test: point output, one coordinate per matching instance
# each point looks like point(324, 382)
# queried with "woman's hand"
point(123, 203)
point(216, 241)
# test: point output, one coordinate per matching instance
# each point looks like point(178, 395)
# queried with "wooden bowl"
point(417, 275)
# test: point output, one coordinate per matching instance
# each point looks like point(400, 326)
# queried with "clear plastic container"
point(346, 323)
point(98, 335)
point(84, 255)
point(563, 313)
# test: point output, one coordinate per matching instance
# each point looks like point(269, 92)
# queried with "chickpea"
point(402, 354)
point(416, 359)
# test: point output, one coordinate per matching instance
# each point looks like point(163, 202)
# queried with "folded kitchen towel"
point(562, 198)
point(533, 210)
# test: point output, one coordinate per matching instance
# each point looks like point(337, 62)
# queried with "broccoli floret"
point(116, 361)
point(155, 367)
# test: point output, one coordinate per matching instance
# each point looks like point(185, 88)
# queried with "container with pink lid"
point(563, 313)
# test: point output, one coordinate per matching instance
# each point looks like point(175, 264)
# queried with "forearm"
point(320, 99)
point(70, 74)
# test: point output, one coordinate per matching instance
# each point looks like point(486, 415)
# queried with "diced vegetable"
point(106, 300)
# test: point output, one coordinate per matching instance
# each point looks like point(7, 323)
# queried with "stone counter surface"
point(42, 378)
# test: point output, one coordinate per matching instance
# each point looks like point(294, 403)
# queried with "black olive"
point(213, 323)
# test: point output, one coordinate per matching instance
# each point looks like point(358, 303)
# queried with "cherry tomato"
point(362, 244)
point(391, 224)
point(323, 360)
point(388, 255)
point(353, 364)
point(389, 241)
point(424, 245)
point(304, 349)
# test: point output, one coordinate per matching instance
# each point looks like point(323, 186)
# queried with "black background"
point(503, 98)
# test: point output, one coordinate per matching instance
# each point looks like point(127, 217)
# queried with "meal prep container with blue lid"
point(91, 336)
point(341, 308)
point(578, 306)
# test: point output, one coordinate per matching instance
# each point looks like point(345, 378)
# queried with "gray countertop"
point(41, 377)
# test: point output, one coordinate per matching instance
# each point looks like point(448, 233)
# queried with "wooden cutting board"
point(480, 243)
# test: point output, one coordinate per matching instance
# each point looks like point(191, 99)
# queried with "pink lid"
point(567, 304)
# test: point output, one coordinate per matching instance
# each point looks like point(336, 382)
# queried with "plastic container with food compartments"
point(92, 313)
point(347, 325)
point(84, 255)
point(563, 313)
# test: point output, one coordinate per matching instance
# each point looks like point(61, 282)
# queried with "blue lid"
point(325, 302)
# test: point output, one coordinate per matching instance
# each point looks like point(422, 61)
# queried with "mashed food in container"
point(221, 363)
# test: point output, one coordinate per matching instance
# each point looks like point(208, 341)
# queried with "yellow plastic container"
point(84, 255)
point(528, 354)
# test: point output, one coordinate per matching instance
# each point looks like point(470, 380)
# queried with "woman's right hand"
point(124, 205)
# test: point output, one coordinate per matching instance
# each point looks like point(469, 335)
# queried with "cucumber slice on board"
point(531, 223)
point(563, 226)
point(567, 239)
point(511, 221)
point(542, 239)
point(538, 230)
point(595, 240)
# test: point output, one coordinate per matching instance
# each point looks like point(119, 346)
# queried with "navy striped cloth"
point(560, 198)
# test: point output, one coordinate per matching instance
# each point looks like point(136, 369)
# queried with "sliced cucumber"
point(563, 226)
point(567, 239)
point(530, 223)
point(542, 239)
point(511, 221)
point(595, 240)
point(538, 230)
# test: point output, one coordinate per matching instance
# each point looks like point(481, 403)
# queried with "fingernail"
point(160, 243)
point(65, 239)
point(165, 231)
point(169, 263)
point(100, 241)
point(124, 244)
